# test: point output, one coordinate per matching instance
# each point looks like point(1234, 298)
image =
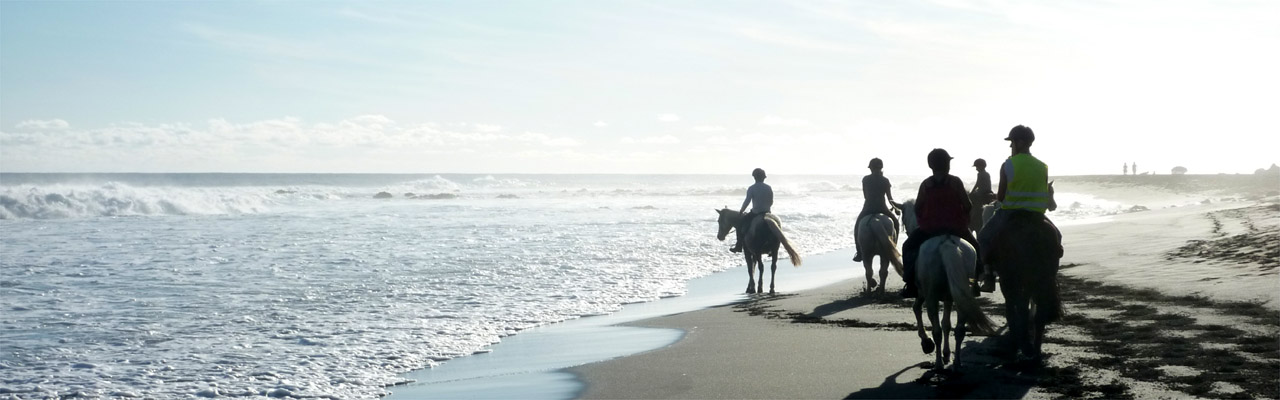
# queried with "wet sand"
point(1174, 302)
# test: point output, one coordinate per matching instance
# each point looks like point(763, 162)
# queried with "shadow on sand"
point(981, 376)
point(864, 298)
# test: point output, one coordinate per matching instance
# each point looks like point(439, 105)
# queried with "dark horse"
point(1025, 254)
point(765, 238)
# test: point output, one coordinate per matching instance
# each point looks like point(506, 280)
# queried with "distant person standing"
point(1135, 167)
point(760, 197)
point(875, 190)
point(1126, 168)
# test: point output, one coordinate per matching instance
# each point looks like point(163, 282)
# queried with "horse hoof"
point(871, 284)
point(926, 345)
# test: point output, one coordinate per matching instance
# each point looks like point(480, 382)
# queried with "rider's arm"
point(1004, 182)
point(747, 201)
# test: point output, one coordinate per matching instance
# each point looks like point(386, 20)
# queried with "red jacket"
point(943, 206)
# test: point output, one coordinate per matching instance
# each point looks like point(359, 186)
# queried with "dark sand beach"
point(1175, 299)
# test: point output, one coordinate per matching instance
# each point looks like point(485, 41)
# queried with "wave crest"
point(117, 199)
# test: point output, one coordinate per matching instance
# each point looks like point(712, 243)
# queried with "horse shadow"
point(862, 299)
point(989, 373)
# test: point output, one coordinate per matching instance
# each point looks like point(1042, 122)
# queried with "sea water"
point(333, 285)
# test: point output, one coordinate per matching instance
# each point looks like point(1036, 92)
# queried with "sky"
point(719, 87)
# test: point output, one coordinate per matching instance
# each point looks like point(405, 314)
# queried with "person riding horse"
point(875, 190)
point(760, 197)
point(1024, 189)
point(942, 207)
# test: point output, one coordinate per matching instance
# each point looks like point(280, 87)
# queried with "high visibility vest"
point(1029, 188)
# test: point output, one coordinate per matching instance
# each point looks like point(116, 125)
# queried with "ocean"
point(335, 285)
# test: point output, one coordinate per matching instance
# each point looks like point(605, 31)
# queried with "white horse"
point(761, 238)
point(877, 237)
point(944, 269)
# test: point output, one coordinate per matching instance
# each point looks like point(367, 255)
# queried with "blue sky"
point(633, 87)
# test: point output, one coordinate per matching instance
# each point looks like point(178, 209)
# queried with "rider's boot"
point(737, 247)
point(857, 256)
point(988, 281)
point(909, 276)
point(910, 291)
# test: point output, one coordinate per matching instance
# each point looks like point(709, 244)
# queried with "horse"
point(765, 238)
point(982, 210)
point(878, 237)
point(944, 268)
point(1025, 254)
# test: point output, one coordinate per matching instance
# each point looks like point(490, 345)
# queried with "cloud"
point(668, 117)
point(665, 139)
point(708, 128)
point(283, 144)
point(600, 124)
point(43, 125)
point(775, 120)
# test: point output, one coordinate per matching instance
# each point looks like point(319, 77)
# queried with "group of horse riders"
point(942, 205)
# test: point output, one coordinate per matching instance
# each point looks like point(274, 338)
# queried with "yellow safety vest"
point(1029, 188)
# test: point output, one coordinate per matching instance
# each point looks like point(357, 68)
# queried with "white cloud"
point(665, 139)
point(43, 125)
point(708, 128)
point(668, 117)
point(600, 124)
point(488, 127)
point(780, 121)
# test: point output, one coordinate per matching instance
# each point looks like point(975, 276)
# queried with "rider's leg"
point(910, 250)
point(741, 229)
point(857, 246)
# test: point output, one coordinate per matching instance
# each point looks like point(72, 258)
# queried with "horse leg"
point(884, 272)
point(937, 330)
point(946, 331)
point(961, 320)
point(926, 345)
point(1036, 336)
point(760, 282)
point(773, 270)
point(751, 272)
point(866, 265)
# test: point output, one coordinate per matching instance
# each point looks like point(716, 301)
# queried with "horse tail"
point(776, 228)
point(958, 267)
point(886, 242)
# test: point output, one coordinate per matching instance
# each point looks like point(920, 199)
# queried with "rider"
point(982, 188)
point(980, 196)
point(760, 197)
point(942, 208)
point(1024, 187)
point(875, 189)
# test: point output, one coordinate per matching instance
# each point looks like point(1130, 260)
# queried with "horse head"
point(728, 218)
point(909, 216)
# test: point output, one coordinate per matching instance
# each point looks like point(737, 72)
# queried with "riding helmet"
point(758, 173)
point(1021, 133)
point(876, 164)
point(980, 163)
point(938, 158)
